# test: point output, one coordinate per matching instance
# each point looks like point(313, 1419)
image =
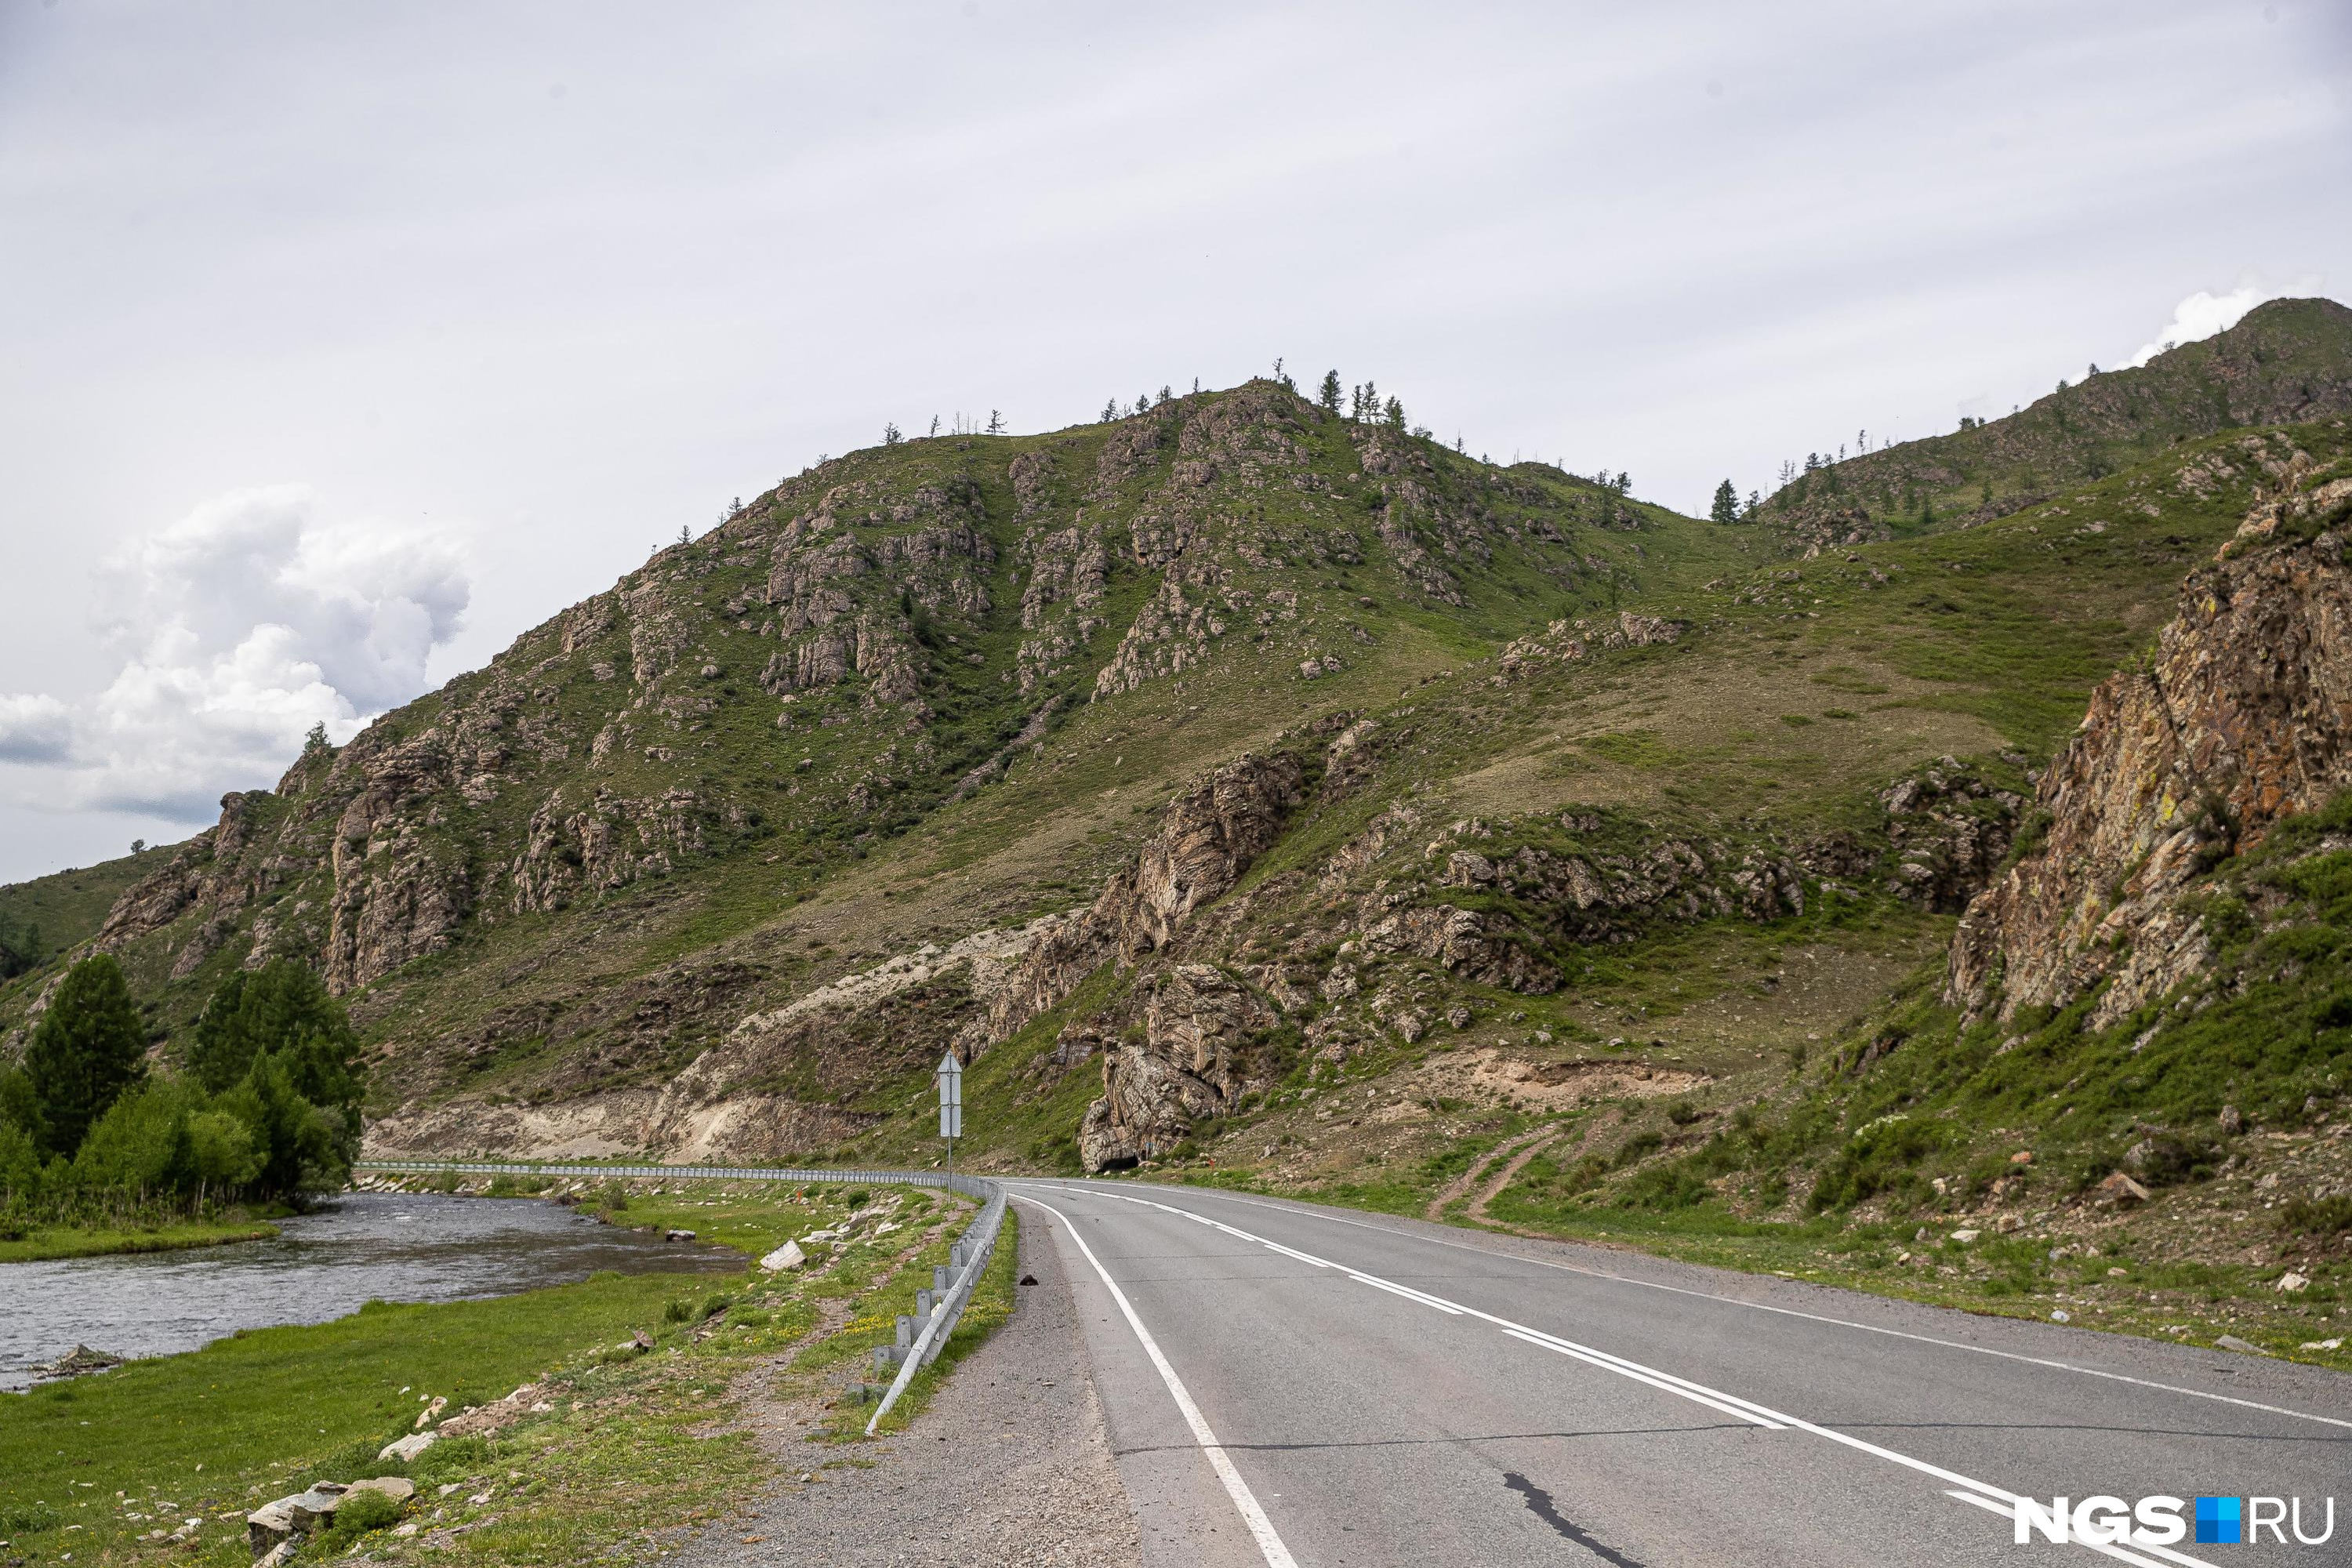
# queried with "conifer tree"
point(88, 1047)
point(1726, 504)
point(1329, 394)
point(995, 422)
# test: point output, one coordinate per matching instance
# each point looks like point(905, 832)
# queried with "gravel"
point(1010, 1466)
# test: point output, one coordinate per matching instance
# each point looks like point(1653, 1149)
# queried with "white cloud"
point(238, 627)
point(2204, 313)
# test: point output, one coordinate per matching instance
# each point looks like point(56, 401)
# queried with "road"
point(1284, 1384)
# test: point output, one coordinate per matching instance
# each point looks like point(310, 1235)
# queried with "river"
point(392, 1246)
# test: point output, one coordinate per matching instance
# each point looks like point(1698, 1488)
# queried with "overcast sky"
point(341, 343)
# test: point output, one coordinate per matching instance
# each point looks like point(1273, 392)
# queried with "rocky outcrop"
point(2242, 716)
point(1950, 831)
point(1569, 641)
point(1188, 1061)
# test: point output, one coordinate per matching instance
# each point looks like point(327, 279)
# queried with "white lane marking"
point(1413, 1295)
point(1556, 1347)
point(1269, 1543)
point(1730, 1404)
point(1782, 1311)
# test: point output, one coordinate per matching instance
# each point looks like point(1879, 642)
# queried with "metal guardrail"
point(968, 1257)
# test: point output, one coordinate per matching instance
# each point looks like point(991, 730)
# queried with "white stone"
point(2291, 1282)
point(788, 1256)
point(406, 1449)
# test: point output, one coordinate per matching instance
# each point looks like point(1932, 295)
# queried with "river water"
point(392, 1246)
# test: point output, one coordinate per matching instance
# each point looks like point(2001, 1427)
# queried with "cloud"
point(237, 627)
point(2204, 313)
point(33, 730)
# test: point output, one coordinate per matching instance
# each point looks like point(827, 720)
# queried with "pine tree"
point(1110, 411)
point(88, 1047)
point(995, 422)
point(891, 435)
point(935, 424)
point(1393, 415)
point(1328, 395)
point(1726, 504)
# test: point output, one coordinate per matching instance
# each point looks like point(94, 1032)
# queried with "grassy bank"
point(93, 1241)
point(614, 1447)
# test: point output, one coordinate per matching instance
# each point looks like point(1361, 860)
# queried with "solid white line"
point(1413, 1295)
point(1558, 1348)
point(1730, 1404)
point(1763, 1307)
point(1269, 1543)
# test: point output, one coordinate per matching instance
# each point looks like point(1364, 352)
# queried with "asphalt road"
point(1284, 1385)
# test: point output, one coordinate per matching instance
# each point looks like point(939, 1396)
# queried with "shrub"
point(361, 1513)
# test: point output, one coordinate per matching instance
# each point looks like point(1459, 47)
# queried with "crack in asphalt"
point(1539, 1503)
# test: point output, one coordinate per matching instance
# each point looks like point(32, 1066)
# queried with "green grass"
point(75, 1241)
point(630, 1439)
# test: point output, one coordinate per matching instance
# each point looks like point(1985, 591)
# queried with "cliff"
point(2240, 716)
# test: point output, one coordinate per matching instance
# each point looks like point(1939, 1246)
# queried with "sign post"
point(951, 1104)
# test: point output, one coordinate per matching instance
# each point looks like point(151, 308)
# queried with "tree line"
point(265, 1106)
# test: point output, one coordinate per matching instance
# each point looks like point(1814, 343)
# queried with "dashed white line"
point(1781, 1311)
point(1986, 1494)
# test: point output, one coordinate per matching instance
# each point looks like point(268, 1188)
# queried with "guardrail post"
point(906, 1333)
point(939, 1279)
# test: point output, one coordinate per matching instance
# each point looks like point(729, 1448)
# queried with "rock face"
point(1189, 1062)
point(1207, 839)
point(2243, 716)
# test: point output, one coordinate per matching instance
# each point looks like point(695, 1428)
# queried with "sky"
point(342, 343)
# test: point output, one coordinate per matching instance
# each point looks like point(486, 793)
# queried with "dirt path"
point(1503, 1178)
point(1459, 1187)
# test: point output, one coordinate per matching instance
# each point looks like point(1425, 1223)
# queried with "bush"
point(361, 1513)
point(1877, 1158)
point(2324, 1218)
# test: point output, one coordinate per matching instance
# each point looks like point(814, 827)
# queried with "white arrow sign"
point(951, 1096)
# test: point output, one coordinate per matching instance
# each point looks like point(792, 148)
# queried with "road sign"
point(951, 1096)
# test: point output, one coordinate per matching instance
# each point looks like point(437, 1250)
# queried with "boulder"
point(399, 1489)
point(274, 1527)
point(406, 1449)
point(788, 1256)
point(2119, 1188)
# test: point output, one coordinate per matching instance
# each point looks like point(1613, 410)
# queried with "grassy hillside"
point(2289, 360)
point(915, 689)
point(55, 913)
point(1709, 1084)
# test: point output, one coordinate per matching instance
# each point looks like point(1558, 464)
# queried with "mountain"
point(661, 811)
point(1257, 794)
point(2287, 362)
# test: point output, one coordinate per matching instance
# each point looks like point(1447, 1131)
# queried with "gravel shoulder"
point(1010, 1466)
